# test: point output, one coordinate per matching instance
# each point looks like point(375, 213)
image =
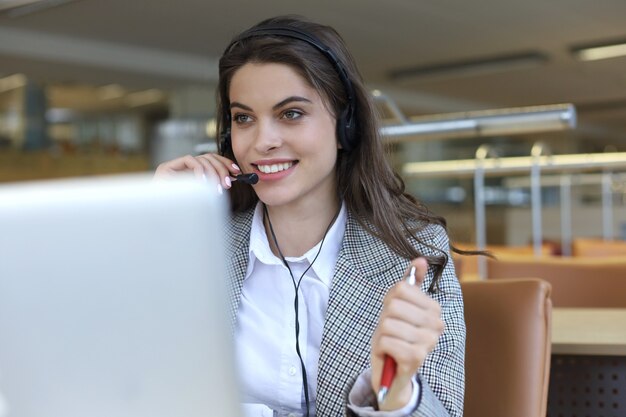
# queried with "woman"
point(320, 245)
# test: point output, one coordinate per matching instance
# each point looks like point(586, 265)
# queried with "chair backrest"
point(467, 265)
point(508, 347)
point(576, 282)
point(598, 248)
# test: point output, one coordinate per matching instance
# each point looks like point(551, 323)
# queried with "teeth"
point(270, 169)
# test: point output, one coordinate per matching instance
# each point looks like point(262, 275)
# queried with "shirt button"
point(292, 372)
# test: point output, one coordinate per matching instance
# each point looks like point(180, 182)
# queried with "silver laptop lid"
point(112, 300)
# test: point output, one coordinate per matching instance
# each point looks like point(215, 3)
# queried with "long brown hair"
point(373, 193)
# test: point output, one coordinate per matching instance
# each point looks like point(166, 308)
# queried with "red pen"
point(389, 367)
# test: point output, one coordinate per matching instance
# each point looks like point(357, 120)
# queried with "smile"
point(271, 169)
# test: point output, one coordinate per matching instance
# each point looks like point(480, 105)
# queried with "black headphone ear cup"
point(345, 129)
point(224, 142)
point(341, 133)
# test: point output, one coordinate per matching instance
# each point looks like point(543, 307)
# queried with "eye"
point(241, 118)
point(292, 114)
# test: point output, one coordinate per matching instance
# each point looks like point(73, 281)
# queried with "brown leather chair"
point(507, 360)
point(576, 282)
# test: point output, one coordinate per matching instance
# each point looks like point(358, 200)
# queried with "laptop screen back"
point(112, 300)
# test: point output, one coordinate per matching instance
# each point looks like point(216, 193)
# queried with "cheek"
point(327, 155)
point(239, 147)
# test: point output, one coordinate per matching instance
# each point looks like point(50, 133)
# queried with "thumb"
point(421, 269)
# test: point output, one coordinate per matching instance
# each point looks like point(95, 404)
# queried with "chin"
point(275, 202)
point(280, 197)
point(274, 198)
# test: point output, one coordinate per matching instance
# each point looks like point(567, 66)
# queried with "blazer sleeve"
point(442, 376)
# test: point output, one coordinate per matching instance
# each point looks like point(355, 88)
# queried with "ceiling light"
point(211, 127)
point(12, 82)
point(595, 52)
point(471, 67)
point(142, 98)
point(463, 168)
point(60, 115)
point(485, 123)
point(12, 4)
point(17, 8)
point(111, 91)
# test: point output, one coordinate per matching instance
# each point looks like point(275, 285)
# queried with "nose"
point(268, 136)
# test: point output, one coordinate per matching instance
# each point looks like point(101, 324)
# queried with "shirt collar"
point(323, 267)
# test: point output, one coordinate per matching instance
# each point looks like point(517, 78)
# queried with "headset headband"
point(294, 33)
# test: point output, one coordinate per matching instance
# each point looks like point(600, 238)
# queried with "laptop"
point(112, 300)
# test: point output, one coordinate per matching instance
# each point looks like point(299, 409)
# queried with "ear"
point(337, 136)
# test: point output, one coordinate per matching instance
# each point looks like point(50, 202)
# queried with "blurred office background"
point(91, 87)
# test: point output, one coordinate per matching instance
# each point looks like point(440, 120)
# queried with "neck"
point(297, 231)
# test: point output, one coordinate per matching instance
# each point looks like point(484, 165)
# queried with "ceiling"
point(174, 44)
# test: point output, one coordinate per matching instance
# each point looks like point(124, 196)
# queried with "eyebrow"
point(277, 106)
point(297, 99)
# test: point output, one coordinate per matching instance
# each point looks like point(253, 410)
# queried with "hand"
point(408, 329)
point(210, 166)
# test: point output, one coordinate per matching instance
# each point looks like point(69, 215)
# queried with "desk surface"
point(589, 331)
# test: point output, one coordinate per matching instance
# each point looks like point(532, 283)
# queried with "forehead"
point(267, 82)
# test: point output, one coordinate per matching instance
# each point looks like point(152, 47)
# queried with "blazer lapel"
point(365, 270)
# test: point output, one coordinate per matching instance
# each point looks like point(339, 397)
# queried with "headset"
point(346, 126)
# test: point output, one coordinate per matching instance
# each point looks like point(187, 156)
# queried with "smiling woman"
point(320, 245)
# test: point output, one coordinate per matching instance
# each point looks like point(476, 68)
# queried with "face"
point(282, 130)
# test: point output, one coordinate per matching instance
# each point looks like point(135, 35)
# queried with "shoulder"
point(241, 218)
point(238, 227)
point(430, 238)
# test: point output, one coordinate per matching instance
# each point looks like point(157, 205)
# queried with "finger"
point(231, 165)
point(402, 350)
point(209, 170)
point(406, 357)
point(215, 167)
point(182, 164)
point(409, 356)
point(189, 163)
point(177, 164)
point(405, 322)
point(421, 269)
point(406, 326)
point(399, 329)
point(410, 294)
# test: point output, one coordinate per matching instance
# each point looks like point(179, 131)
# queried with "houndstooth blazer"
point(366, 269)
